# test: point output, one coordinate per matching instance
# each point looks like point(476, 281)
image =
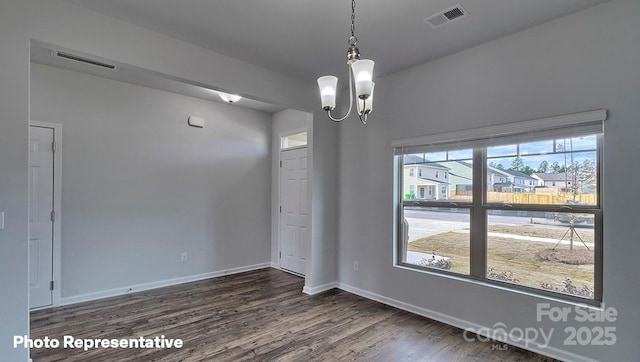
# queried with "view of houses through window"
point(540, 202)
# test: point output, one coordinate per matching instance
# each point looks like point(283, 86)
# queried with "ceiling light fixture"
point(360, 75)
point(229, 98)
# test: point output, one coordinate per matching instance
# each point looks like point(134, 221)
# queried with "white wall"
point(14, 115)
point(140, 186)
point(588, 60)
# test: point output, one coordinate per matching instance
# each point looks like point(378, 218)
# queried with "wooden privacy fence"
point(531, 198)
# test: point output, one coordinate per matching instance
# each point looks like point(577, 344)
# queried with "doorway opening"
point(44, 214)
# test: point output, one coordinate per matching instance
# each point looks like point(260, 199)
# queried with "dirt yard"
point(515, 256)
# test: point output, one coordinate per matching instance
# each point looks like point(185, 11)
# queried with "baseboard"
point(319, 288)
point(462, 324)
point(158, 284)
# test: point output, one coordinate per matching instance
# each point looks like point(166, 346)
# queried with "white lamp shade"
point(363, 75)
point(328, 85)
point(366, 105)
point(230, 98)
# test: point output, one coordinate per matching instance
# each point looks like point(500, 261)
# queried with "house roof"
point(415, 160)
point(504, 184)
point(517, 174)
point(492, 169)
point(464, 163)
point(462, 177)
point(553, 176)
point(433, 180)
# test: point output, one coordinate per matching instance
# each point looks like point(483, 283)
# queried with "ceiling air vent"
point(77, 58)
point(446, 16)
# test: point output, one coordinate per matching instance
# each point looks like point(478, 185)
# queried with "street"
point(424, 223)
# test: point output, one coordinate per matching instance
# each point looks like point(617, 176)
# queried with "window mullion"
point(478, 216)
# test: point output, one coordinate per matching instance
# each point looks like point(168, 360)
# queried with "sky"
point(531, 153)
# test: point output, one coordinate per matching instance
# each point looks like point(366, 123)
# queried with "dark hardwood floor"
point(260, 316)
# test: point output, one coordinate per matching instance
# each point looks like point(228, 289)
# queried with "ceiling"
point(43, 53)
point(308, 38)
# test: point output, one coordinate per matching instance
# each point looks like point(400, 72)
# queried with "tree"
point(583, 178)
point(556, 168)
point(496, 165)
point(517, 164)
point(527, 170)
point(543, 167)
point(585, 175)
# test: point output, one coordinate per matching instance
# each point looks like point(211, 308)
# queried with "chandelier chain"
point(353, 17)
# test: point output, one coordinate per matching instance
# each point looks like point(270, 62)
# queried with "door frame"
point(56, 272)
point(281, 135)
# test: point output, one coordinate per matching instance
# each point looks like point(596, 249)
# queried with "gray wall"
point(72, 27)
point(139, 186)
point(585, 61)
point(14, 116)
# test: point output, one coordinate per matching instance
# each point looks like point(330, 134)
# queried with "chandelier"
point(360, 76)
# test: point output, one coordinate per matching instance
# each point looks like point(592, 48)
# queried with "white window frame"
point(292, 132)
point(480, 207)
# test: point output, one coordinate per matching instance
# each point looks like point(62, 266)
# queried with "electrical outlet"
point(356, 265)
point(184, 257)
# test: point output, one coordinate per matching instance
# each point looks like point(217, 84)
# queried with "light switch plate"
point(2, 220)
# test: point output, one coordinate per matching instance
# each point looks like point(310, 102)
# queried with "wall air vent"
point(78, 58)
point(446, 16)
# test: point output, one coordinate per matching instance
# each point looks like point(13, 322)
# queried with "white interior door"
point(294, 217)
point(40, 216)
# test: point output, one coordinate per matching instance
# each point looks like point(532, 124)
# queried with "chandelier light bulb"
point(363, 74)
point(328, 85)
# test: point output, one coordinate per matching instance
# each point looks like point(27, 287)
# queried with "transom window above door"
point(294, 140)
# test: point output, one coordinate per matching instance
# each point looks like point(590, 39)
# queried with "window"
point(436, 173)
point(445, 174)
point(412, 192)
point(419, 172)
point(294, 140)
point(535, 239)
point(412, 172)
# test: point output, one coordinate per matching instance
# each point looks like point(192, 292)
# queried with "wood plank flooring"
point(258, 316)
